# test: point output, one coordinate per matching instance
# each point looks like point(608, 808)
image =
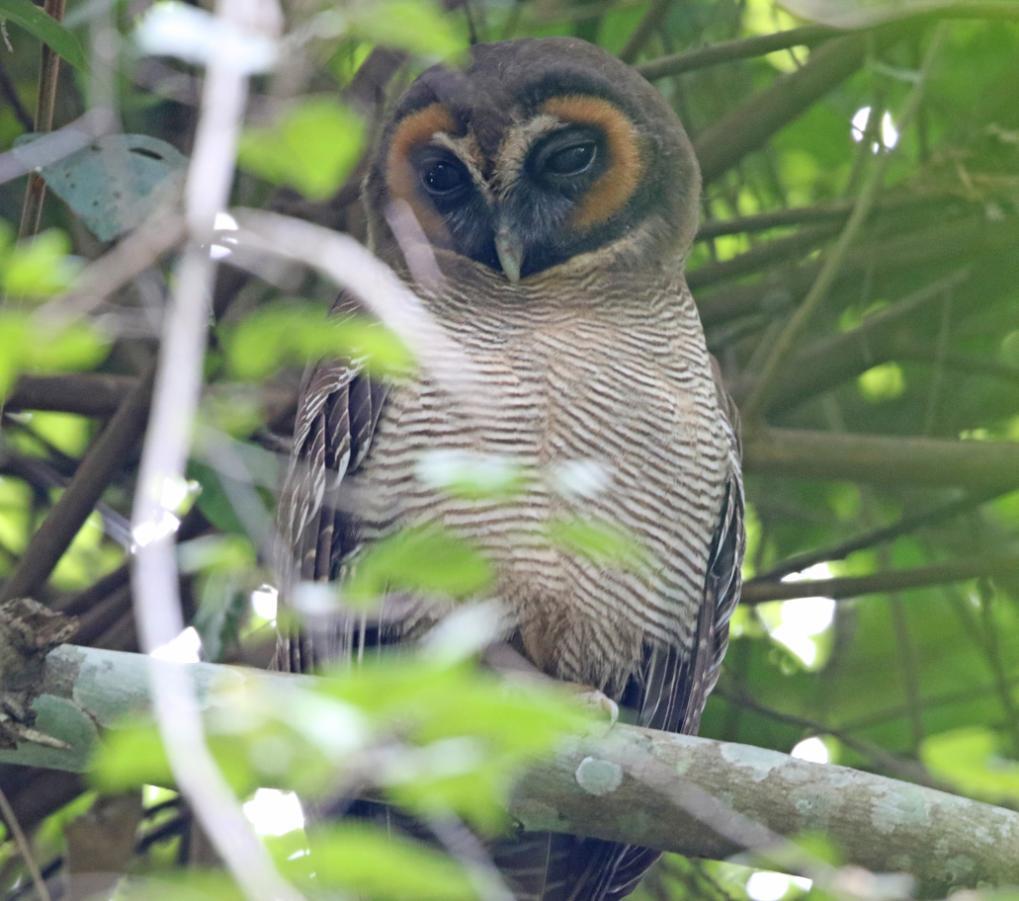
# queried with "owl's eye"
point(572, 160)
point(443, 177)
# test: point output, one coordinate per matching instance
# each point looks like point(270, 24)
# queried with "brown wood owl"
point(559, 195)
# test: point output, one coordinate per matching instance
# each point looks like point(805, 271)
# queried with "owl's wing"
point(337, 413)
point(674, 684)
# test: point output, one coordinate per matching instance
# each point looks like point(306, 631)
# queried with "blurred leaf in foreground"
point(971, 759)
point(312, 147)
point(425, 559)
point(377, 863)
point(289, 332)
point(45, 28)
point(418, 26)
point(30, 345)
point(39, 267)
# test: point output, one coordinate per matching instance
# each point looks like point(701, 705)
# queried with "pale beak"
point(510, 250)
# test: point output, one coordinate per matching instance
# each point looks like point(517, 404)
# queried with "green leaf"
point(130, 756)
point(115, 183)
point(312, 147)
point(289, 332)
point(45, 28)
point(379, 864)
point(418, 26)
point(970, 758)
point(600, 543)
point(426, 559)
point(30, 345)
point(223, 603)
point(39, 267)
point(884, 382)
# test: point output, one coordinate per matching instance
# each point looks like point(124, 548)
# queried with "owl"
point(557, 195)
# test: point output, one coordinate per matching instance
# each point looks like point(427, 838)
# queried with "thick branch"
point(882, 459)
point(748, 127)
point(680, 793)
point(97, 469)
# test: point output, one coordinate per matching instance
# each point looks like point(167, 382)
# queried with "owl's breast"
point(584, 396)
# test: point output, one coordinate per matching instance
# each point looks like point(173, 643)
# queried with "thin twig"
point(882, 535)
point(729, 51)
point(760, 592)
point(175, 400)
point(49, 74)
point(131, 256)
point(24, 848)
point(97, 469)
point(647, 26)
point(759, 396)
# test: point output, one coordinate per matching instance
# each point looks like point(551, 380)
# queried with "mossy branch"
point(680, 793)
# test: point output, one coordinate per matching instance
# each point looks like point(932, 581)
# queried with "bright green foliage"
point(373, 861)
point(39, 267)
point(884, 382)
point(292, 332)
point(601, 543)
point(30, 344)
point(414, 25)
point(433, 737)
point(312, 147)
point(972, 760)
point(428, 559)
point(44, 27)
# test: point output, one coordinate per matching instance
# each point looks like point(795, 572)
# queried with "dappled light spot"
point(264, 600)
point(765, 885)
point(274, 812)
point(185, 648)
point(889, 134)
point(812, 749)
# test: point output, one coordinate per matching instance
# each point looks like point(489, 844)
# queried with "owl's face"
point(536, 153)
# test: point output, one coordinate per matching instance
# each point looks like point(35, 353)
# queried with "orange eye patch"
point(616, 185)
point(401, 180)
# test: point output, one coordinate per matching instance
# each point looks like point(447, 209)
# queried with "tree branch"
point(729, 51)
point(758, 591)
point(104, 458)
point(679, 793)
point(882, 459)
point(746, 128)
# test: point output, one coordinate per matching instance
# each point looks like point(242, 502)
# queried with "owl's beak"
point(510, 250)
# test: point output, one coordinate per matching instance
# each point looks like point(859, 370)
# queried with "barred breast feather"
point(609, 369)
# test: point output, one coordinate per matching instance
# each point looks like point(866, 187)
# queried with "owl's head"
point(537, 153)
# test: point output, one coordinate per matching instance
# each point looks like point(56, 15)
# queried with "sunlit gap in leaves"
point(802, 621)
point(274, 812)
point(224, 242)
point(889, 133)
point(185, 648)
point(175, 497)
point(812, 749)
point(764, 885)
point(264, 600)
